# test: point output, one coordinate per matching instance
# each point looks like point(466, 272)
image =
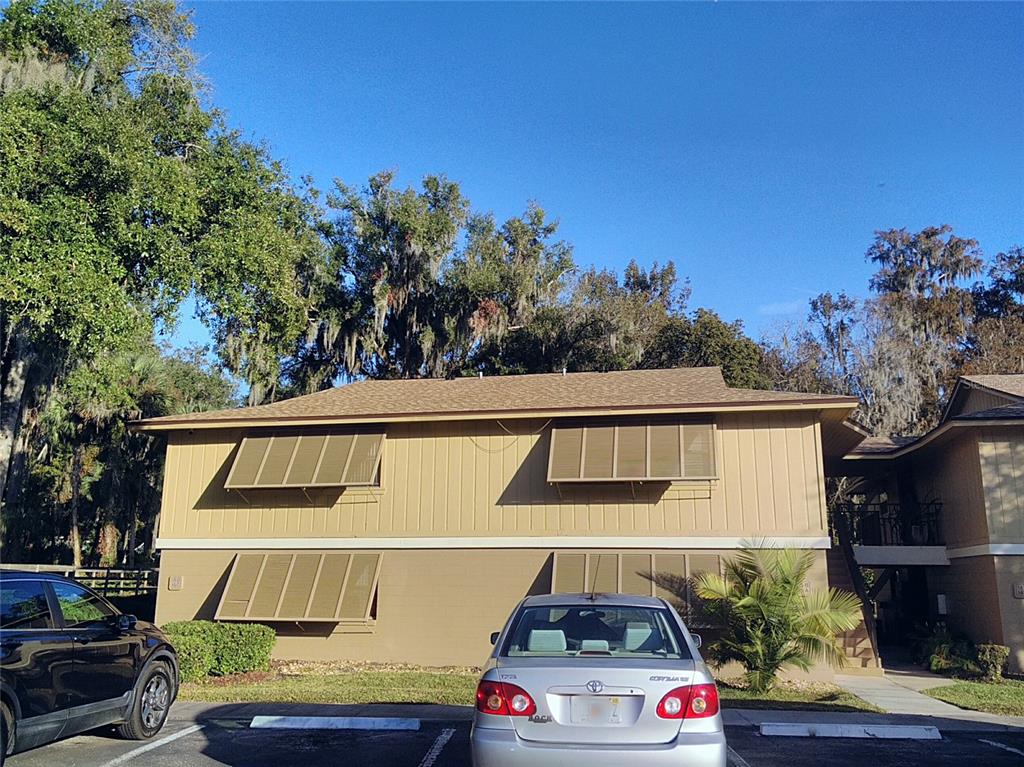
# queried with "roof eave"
point(931, 437)
point(170, 424)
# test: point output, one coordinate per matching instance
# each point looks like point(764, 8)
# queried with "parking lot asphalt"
point(223, 737)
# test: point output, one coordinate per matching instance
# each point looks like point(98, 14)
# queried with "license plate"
point(595, 709)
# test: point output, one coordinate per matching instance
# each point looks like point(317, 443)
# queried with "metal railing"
point(108, 581)
point(893, 524)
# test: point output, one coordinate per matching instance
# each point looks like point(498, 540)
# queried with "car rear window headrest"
point(546, 640)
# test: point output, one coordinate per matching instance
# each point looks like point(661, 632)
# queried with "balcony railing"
point(893, 524)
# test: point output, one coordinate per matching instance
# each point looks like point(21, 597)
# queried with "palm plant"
point(771, 619)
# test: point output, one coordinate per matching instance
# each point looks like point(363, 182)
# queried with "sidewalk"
point(898, 694)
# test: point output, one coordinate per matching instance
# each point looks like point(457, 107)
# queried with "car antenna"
point(593, 583)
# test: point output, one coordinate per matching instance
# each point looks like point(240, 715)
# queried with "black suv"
point(70, 662)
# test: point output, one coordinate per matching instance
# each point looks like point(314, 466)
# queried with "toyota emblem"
point(595, 686)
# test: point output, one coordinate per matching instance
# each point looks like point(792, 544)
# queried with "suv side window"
point(23, 605)
point(79, 607)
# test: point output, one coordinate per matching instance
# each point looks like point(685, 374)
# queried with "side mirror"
point(494, 637)
point(696, 640)
point(124, 622)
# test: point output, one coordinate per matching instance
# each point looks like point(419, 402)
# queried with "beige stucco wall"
point(474, 478)
point(1008, 572)
point(434, 608)
point(981, 603)
point(972, 602)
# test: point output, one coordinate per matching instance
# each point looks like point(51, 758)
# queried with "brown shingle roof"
point(506, 395)
point(881, 445)
point(1012, 385)
point(1006, 412)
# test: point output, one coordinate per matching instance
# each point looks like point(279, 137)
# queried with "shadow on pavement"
point(229, 740)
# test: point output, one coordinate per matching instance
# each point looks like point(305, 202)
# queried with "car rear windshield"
point(591, 630)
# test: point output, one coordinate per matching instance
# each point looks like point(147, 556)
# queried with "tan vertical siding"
point(978, 400)
point(475, 478)
point(1002, 471)
point(951, 473)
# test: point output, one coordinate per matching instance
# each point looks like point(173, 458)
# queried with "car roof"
point(609, 600)
point(20, 575)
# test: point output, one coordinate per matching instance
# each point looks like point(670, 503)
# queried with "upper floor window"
point(631, 452)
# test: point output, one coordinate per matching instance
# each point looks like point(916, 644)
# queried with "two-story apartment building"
point(402, 520)
point(941, 517)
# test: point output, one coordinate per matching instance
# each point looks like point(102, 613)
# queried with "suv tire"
point(6, 731)
point(151, 706)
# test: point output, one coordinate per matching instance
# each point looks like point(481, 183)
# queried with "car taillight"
point(504, 698)
point(703, 701)
point(690, 702)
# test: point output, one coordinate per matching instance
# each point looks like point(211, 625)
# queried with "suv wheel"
point(6, 731)
point(149, 712)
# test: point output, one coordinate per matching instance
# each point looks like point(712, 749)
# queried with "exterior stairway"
point(860, 651)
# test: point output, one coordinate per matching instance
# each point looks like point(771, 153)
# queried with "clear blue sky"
point(758, 146)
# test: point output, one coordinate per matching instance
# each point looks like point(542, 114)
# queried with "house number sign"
point(1018, 591)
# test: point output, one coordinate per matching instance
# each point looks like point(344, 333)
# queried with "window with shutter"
point(633, 451)
point(301, 460)
point(321, 586)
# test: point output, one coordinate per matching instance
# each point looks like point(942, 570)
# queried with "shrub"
point(232, 647)
point(943, 652)
point(770, 619)
point(991, 659)
point(195, 656)
point(242, 647)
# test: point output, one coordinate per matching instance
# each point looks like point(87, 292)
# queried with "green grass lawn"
point(339, 683)
point(1006, 697)
point(794, 696)
point(366, 683)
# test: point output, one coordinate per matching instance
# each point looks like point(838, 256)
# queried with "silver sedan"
point(596, 680)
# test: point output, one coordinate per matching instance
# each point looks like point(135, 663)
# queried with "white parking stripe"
point(333, 723)
point(1002, 746)
point(435, 750)
point(155, 744)
point(736, 760)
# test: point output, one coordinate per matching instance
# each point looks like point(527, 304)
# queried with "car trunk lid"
point(593, 700)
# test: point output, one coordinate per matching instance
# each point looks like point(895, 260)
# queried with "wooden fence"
point(108, 581)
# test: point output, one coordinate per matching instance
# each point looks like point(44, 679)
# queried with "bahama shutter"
point(322, 586)
point(603, 572)
point(698, 450)
point(635, 567)
point(570, 573)
point(633, 451)
point(303, 460)
point(566, 454)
